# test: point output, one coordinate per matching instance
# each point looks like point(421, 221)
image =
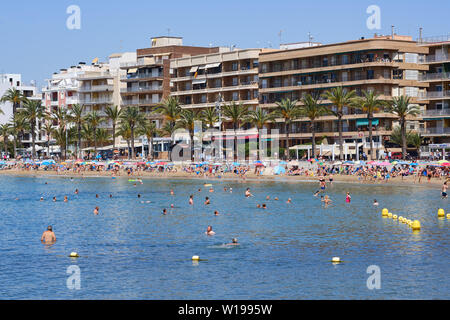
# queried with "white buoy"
point(195, 258)
point(336, 260)
point(74, 255)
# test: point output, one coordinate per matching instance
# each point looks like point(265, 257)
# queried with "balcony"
point(141, 89)
point(99, 88)
point(435, 131)
point(442, 76)
point(140, 76)
point(430, 95)
point(436, 113)
point(140, 102)
point(97, 101)
point(435, 59)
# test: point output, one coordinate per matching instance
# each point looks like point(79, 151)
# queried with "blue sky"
point(36, 42)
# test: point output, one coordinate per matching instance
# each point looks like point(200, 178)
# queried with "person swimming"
point(54, 199)
point(191, 200)
point(76, 191)
point(139, 196)
point(258, 206)
point(96, 211)
point(268, 198)
point(289, 201)
point(264, 206)
point(209, 231)
point(171, 192)
point(234, 242)
point(317, 193)
point(216, 213)
point(327, 201)
point(248, 194)
point(97, 196)
point(164, 212)
point(375, 203)
point(207, 201)
point(66, 199)
point(48, 237)
point(42, 199)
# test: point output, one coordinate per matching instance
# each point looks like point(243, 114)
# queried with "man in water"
point(375, 203)
point(234, 242)
point(164, 212)
point(48, 237)
point(191, 200)
point(248, 194)
point(96, 210)
point(207, 201)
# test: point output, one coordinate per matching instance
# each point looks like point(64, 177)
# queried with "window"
point(370, 74)
point(411, 75)
point(411, 57)
point(235, 96)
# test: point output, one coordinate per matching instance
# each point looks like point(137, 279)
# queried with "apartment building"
point(437, 95)
point(30, 91)
point(217, 79)
point(147, 79)
point(387, 65)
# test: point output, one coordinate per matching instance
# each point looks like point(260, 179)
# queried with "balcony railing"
point(435, 95)
point(141, 101)
point(435, 76)
point(96, 101)
point(434, 58)
point(140, 89)
point(142, 76)
point(438, 130)
point(444, 38)
point(436, 113)
point(97, 88)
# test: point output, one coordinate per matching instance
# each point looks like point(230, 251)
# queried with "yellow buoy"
point(400, 219)
point(395, 217)
point(195, 258)
point(336, 260)
point(416, 225)
point(74, 255)
point(385, 212)
point(448, 215)
point(390, 215)
point(441, 213)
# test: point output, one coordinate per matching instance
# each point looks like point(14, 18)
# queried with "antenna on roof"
point(310, 38)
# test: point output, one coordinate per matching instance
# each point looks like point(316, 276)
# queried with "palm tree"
point(312, 109)
point(48, 130)
point(133, 118)
point(125, 132)
point(94, 119)
point(340, 98)
point(210, 117)
point(236, 113)
point(187, 121)
point(287, 110)
point(259, 118)
point(78, 119)
point(149, 129)
point(369, 104)
point(170, 109)
point(402, 108)
point(60, 136)
point(19, 125)
point(32, 112)
point(102, 136)
point(16, 98)
point(87, 133)
point(416, 140)
point(113, 114)
point(5, 132)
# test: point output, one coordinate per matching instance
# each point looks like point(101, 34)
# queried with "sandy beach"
point(409, 181)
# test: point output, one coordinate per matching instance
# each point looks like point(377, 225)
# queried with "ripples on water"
point(131, 251)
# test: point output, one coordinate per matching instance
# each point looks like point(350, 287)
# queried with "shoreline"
point(407, 182)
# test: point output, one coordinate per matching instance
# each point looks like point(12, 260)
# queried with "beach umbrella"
point(2, 162)
point(259, 165)
point(279, 170)
point(47, 163)
point(283, 162)
point(162, 163)
point(236, 164)
point(414, 164)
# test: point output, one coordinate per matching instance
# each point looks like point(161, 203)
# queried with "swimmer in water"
point(444, 190)
point(248, 194)
point(207, 201)
point(191, 200)
point(48, 237)
point(66, 199)
point(327, 201)
point(348, 198)
point(139, 196)
point(231, 190)
point(96, 211)
point(54, 199)
point(276, 199)
point(164, 212)
point(317, 193)
point(258, 206)
point(76, 191)
point(216, 213)
point(211, 190)
point(171, 192)
point(375, 203)
point(264, 206)
point(234, 242)
point(289, 201)
point(96, 196)
point(172, 206)
point(268, 198)
point(209, 231)
point(110, 196)
point(42, 199)
point(225, 189)
point(199, 189)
